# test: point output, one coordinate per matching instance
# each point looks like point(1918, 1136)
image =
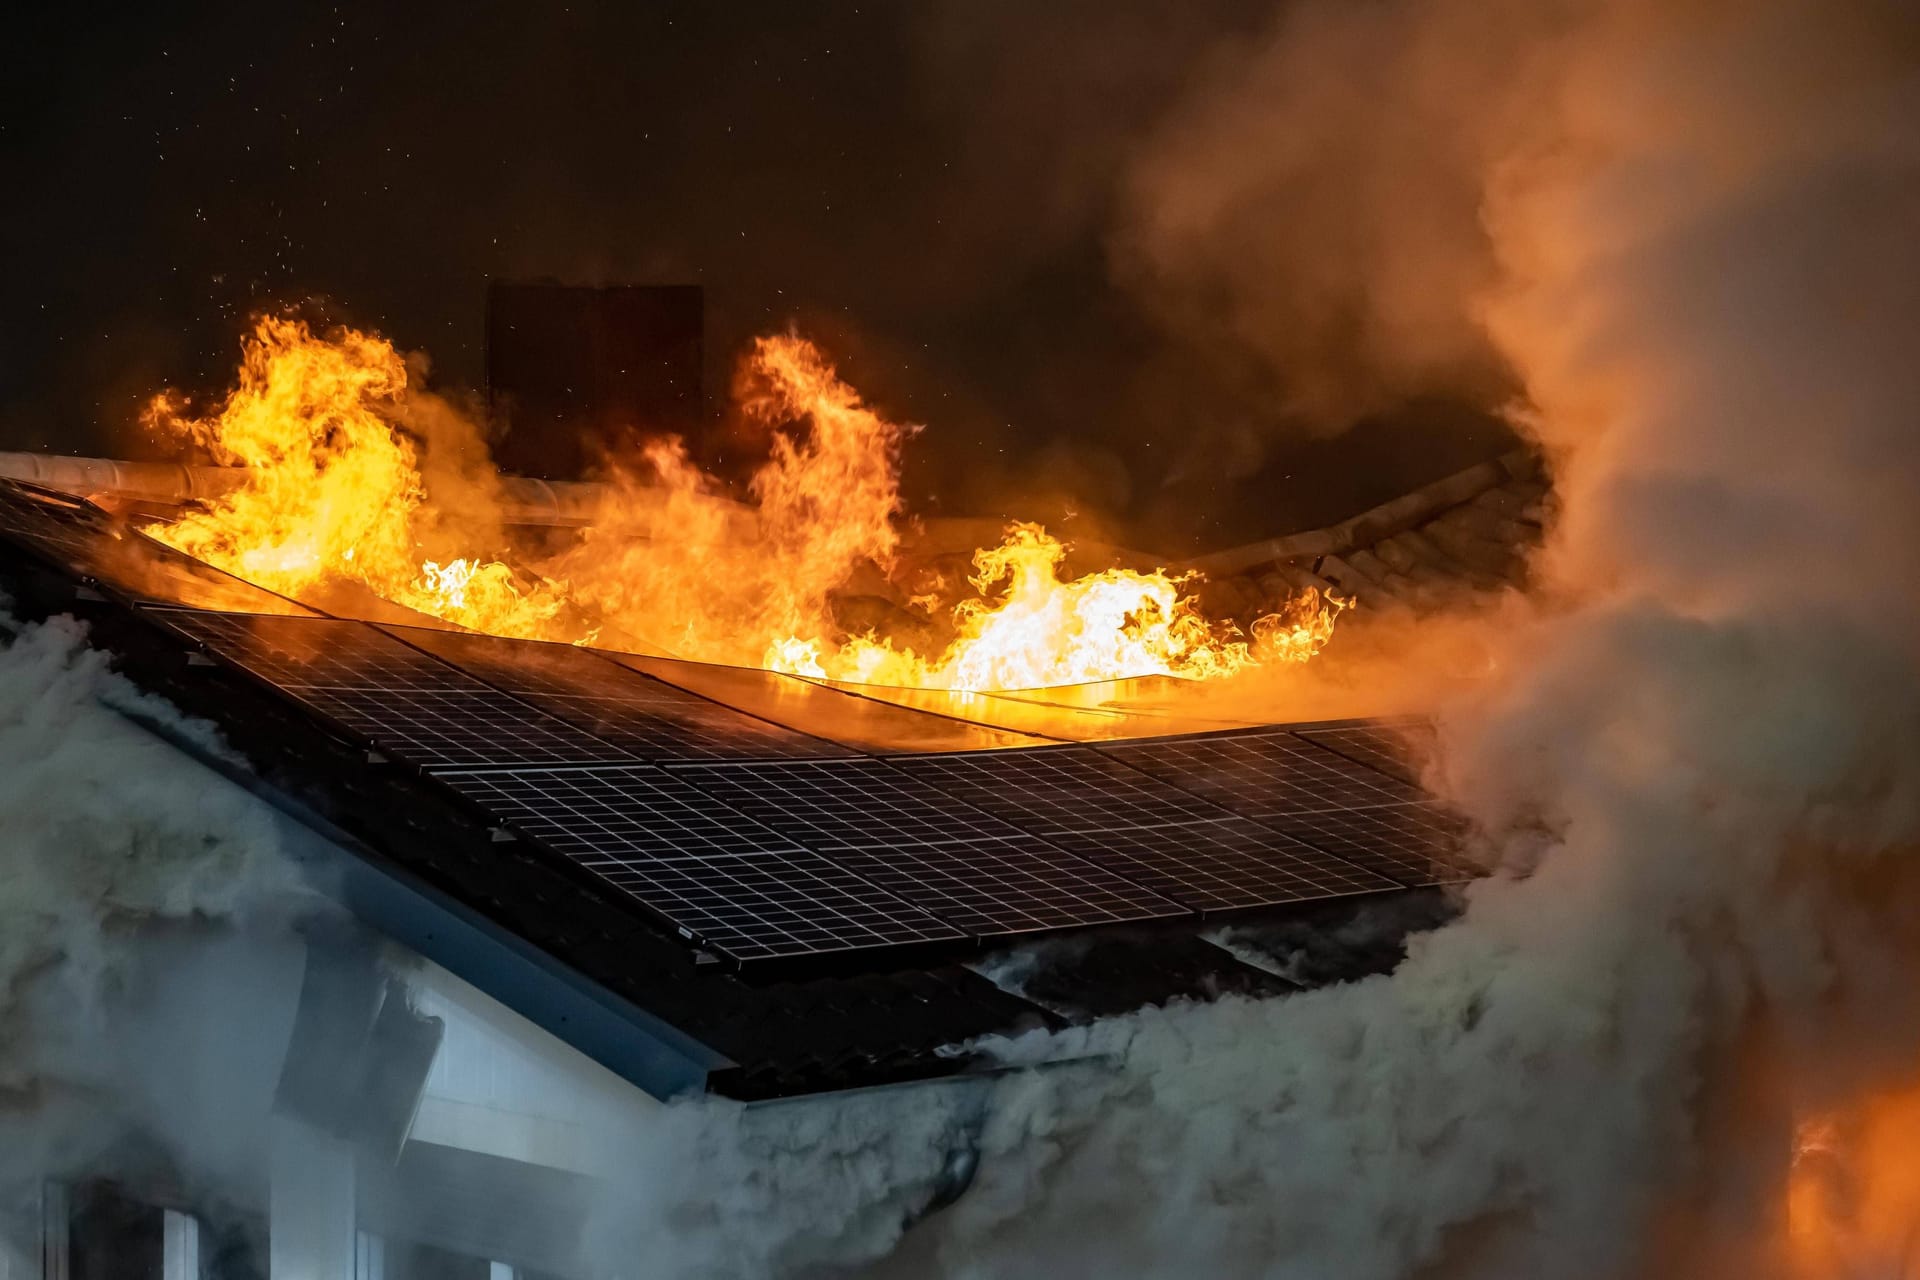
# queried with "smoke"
point(1679, 235)
point(1312, 210)
point(147, 971)
point(1684, 232)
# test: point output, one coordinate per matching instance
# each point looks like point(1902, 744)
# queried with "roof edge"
point(1375, 523)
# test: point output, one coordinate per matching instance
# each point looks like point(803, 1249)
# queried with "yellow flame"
point(711, 579)
point(1041, 630)
point(332, 487)
point(333, 493)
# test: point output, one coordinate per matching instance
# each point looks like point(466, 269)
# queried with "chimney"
point(576, 371)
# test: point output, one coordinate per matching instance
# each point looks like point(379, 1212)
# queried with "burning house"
point(561, 881)
point(675, 837)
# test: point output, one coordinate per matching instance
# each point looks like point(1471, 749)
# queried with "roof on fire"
point(777, 886)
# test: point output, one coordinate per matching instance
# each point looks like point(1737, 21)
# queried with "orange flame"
point(1044, 631)
point(1853, 1196)
point(710, 579)
point(332, 489)
point(333, 493)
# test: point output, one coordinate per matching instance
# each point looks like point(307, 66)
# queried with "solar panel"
point(1415, 844)
point(1061, 789)
point(1224, 864)
point(1059, 722)
point(88, 541)
point(722, 879)
point(1155, 704)
point(652, 720)
point(993, 887)
point(67, 532)
point(1188, 848)
point(813, 709)
point(973, 870)
point(410, 705)
point(618, 813)
point(1397, 747)
point(1264, 772)
point(857, 804)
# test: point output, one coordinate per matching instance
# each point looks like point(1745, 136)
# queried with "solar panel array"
point(724, 880)
point(1395, 747)
point(1314, 794)
point(405, 703)
point(646, 717)
point(1181, 844)
point(1059, 789)
point(1263, 773)
point(865, 724)
point(1051, 721)
point(984, 875)
point(768, 817)
point(742, 837)
point(1416, 844)
point(1225, 864)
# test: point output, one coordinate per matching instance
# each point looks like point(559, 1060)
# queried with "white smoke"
point(132, 1031)
point(1690, 228)
point(1706, 750)
point(1693, 246)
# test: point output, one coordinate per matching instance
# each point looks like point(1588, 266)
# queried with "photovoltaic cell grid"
point(1417, 844)
point(993, 843)
point(1179, 844)
point(1225, 864)
point(854, 804)
point(1042, 721)
point(1313, 793)
point(979, 873)
point(943, 834)
point(991, 887)
point(646, 717)
point(805, 707)
point(1393, 747)
point(1059, 789)
point(70, 534)
point(410, 705)
point(721, 878)
point(1263, 773)
point(619, 814)
point(89, 542)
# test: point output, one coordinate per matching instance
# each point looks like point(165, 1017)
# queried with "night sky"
point(926, 188)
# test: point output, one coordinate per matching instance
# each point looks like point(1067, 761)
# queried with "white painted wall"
point(504, 1087)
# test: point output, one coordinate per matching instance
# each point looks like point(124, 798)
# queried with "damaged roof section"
point(1468, 533)
point(807, 908)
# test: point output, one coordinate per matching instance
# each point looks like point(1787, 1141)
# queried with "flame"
point(333, 493)
point(332, 488)
point(1853, 1193)
point(711, 579)
point(1042, 630)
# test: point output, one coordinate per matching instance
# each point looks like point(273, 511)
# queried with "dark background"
point(925, 188)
